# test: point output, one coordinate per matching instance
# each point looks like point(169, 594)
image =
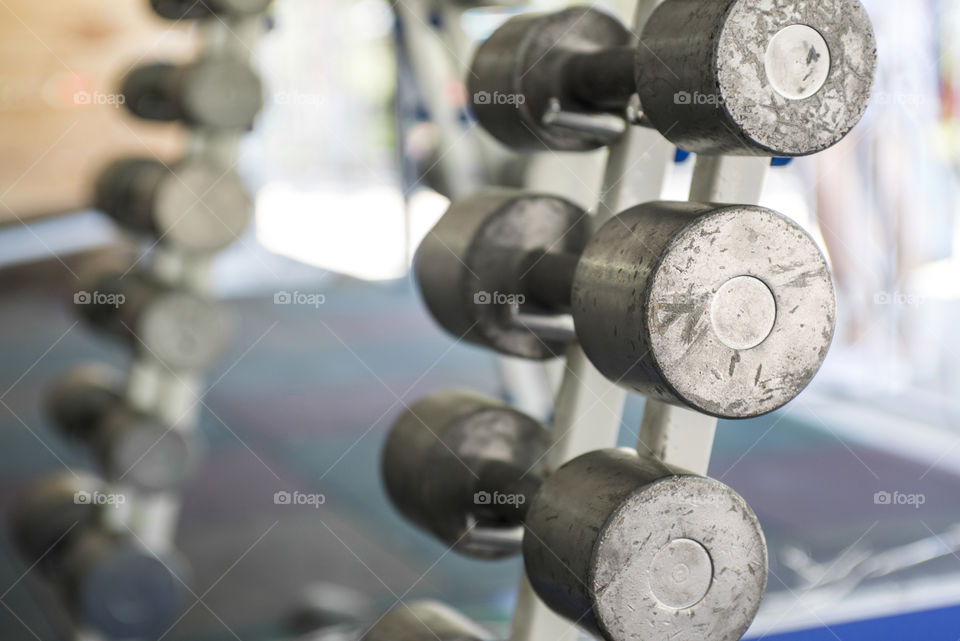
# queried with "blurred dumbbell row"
point(96, 539)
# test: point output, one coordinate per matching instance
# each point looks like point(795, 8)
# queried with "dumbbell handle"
point(548, 278)
point(604, 80)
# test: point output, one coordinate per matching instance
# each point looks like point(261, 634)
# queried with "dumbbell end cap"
point(183, 330)
point(734, 306)
point(789, 77)
point(201, 207)
point(222, 93)
point(733, 334)
point(700, 577)
point(130, 594)
point(818, 65)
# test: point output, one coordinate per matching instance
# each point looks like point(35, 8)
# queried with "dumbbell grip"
point(548, 278)
point(602, 80)
point(502, 479)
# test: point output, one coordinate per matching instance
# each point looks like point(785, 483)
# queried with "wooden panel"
point(60, 64)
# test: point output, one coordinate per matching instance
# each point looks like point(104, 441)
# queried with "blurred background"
point(363, 139)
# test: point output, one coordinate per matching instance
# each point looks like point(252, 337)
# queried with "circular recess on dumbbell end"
point(797, 62)
point(680, 574)
point(647, 534)
point(150, 456)
point(743, 312)
point(763, 99)
point(182, 330)
point(201, 207)
point(129, 594)
point(222, 93)
point(697, 363)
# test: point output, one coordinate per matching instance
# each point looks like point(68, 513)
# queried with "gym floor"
point(302, 402)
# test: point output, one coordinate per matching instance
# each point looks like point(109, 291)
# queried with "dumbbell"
point(199, 9)
point(108, 579)
point(728, 309)
point(131, 447)
point(782, 78)
point(425, 621)
point(196, 204)
point(180, 329)
point(218, 92)
point(623, 544)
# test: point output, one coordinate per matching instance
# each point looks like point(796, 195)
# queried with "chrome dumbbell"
point(728, 309)
point(217, 92)
point(196, 204)
point(179, 329)
point(623, 544)
point(782, 77)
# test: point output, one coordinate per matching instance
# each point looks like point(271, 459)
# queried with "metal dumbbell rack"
point(176, 397)
point(154, 388)
point(589, 406)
